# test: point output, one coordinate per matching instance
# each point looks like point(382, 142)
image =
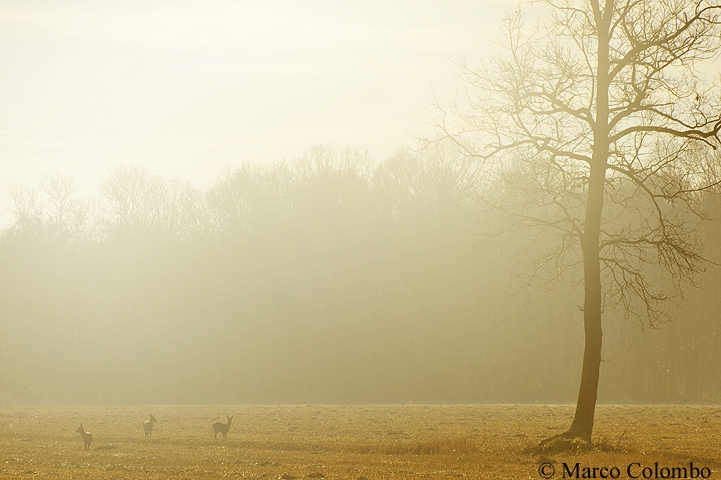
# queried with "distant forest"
point(324, 279)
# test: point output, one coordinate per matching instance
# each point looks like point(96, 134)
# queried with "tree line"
point(325, 279)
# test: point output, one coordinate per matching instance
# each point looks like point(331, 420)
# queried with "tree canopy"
point(599, 119)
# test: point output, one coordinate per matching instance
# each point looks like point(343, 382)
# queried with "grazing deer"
point(87, 436)
point(148, 425)
point(223, 428)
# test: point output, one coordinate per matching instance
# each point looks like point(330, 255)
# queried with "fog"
point(187, 88)
point(324, 279)
point(170, 233)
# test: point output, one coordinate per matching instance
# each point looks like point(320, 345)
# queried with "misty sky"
point(188, 87)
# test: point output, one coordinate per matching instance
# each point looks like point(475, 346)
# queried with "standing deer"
point(148, 425)
point(219, 427)
point(87, 436)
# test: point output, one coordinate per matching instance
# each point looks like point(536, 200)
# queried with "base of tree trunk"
point(565, 442)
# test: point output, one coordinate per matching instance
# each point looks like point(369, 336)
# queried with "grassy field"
point(347, 442)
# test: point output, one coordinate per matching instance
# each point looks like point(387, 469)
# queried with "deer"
point(219, 427)
point(148, 425)
point(87, 436)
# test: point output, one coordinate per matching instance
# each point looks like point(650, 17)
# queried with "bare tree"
point(59, 188)
point(600, 119)
point(126, 195)
point(29, 209)
point(69, 220)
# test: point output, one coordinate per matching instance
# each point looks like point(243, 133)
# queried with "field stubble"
point(343, 442)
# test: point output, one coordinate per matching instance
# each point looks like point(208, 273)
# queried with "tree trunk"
point(582, 425)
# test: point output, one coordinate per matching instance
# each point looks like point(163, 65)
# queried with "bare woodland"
point(325, 279)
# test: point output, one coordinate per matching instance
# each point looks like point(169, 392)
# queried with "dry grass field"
point(346, 442)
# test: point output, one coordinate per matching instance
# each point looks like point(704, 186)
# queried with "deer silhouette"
point(219, 427)
point(148, 425)
point(87, 436)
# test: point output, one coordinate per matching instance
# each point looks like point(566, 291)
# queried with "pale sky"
point(188, 87)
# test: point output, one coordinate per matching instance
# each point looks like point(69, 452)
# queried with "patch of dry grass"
point(343, 442)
